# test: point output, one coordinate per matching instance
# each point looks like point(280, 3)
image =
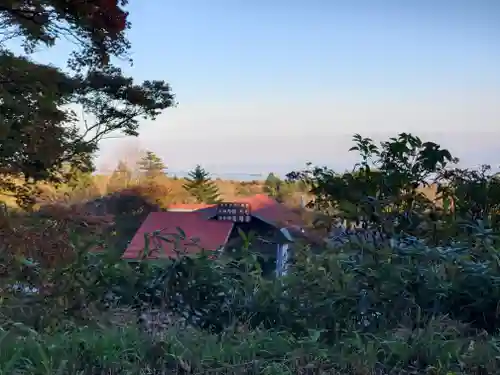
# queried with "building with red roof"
point(164, 234)
point(193, 227)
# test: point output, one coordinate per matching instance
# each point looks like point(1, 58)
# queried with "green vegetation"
point(410, 288)
point(275, 187)
point(33, 93)
point(420, 298)
point(201, 187)
point(282, 190)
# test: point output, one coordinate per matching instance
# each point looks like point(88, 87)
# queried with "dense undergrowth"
point(421, 299)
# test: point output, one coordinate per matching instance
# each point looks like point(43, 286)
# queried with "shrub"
point(413, 290)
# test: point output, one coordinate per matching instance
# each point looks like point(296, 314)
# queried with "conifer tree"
point(201, 187)
point(151, 165)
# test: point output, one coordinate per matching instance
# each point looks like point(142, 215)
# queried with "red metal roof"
point(261, 205)
point(269, 210)
point(211, 234)
point(193, 220)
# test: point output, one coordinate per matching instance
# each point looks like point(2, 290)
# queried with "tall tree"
point(201, 187)
point(151, 165)
point(39, 132)
point(39, 127)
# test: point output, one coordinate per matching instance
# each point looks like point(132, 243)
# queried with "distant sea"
point(235, 176)
point(225, 176)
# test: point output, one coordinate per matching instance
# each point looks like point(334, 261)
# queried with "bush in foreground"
point(357, 309)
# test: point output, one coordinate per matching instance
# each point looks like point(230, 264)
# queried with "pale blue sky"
point(291, 81)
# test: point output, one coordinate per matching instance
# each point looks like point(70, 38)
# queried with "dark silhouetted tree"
point(97, 27)
point(40, 131)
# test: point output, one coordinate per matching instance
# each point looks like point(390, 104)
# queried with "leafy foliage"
point(384, 191)
point(39, 129)
point(421, 300)
point(98, 26)
point(201, 187)
point(40, 133)
point(129, 208)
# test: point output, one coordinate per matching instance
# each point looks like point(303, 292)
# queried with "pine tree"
point(201, 187)
point(151, 165)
